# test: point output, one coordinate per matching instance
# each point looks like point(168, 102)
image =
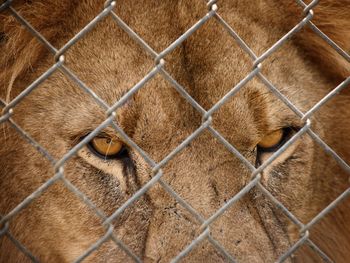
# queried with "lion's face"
point(204, 173)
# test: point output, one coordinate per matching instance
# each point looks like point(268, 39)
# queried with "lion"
point(57, 226)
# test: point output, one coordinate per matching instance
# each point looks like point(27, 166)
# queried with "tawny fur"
point(58, 227)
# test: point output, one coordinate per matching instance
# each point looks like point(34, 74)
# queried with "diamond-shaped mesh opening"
point(208, 52)
point(167, 28)
point(260, 15)
point(118, 67)
point(296, 85)
point(236, 240)
point(199, 157)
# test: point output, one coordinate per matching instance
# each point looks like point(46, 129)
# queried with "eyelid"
point(103, 134)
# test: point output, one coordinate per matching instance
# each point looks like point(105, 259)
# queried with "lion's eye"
point(106, 148)
point(274, 140)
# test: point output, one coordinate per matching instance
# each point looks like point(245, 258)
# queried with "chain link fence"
point(159, 69)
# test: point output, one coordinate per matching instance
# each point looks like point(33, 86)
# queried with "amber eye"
point(274, 140)
point(106, 148)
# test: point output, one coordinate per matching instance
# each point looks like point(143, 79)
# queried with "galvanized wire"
point(157, 173)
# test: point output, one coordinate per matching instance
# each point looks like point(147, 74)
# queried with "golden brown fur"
point(58, 227)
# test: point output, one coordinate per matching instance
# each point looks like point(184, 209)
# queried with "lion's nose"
point(236, 236)
point(201, 213)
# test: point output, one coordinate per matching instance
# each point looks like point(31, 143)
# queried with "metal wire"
point(159, 69)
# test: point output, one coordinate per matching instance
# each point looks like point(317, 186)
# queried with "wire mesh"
point(159, 69)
